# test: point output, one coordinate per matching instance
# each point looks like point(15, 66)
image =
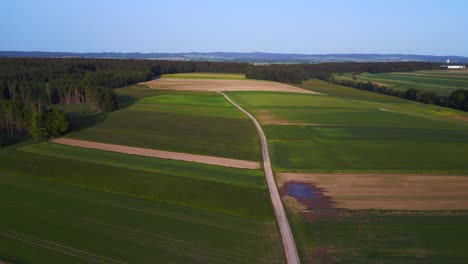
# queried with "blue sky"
point(292, 26)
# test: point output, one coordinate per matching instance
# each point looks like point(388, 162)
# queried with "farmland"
point(359, 134)
point(375, 236)
point(72, 204)
point(441, 82)
point(205, 75)
point(388, 179)
point(396, 158)
point(197, 123)
point(207, 83)
point(79, 205)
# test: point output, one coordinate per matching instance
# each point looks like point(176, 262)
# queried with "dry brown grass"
point(389, 191)
point(222, 85)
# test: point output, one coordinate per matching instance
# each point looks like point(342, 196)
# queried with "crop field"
point(354, 133)
point(441, 82)
point(365, 178)
point(217, 84)
point(197, 123)
point(207, 75)
point(372, 217)
point(375, 236)
point(386, 191)
point(74, 205)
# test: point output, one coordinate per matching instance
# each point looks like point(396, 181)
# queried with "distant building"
point(455, 67)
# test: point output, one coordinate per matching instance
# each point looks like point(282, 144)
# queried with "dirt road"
point(226, 162)
point(286, 234)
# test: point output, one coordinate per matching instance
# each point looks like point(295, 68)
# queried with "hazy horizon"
point(303, 27)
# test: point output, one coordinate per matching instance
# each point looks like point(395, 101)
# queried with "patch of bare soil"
point(267, 118)
point(226, 162)
point(222, 85)
point(388, 191)
point(462, 118)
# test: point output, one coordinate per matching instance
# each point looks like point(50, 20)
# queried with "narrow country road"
point(286, 234)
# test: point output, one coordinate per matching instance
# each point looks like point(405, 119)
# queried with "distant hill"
point(253, 57)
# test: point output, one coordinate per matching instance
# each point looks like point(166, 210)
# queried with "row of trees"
point(296, 73)
point(20, 119)
point(457, 99)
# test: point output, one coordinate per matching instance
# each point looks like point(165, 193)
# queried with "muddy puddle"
point(314, 199)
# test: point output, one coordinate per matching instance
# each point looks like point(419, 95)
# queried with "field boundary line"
point(211, 160)
point(289, 244)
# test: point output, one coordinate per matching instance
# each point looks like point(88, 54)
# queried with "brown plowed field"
point(222, 85)
point(389, 191)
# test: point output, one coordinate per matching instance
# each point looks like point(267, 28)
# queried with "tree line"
point(30, 87)
point(296, 73)
point(457, 99)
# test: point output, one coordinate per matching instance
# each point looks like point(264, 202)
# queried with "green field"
point(383, 237)
point(440, 82)
point(191, 122)
point(359, 132)
point(206, 75)
point(73, 205)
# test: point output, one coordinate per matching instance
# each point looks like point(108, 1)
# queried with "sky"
point(427, 27)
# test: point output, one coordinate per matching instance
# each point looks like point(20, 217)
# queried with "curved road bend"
point(286, 234)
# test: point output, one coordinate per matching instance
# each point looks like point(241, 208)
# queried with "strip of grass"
point(383, 237)
point(46, 222)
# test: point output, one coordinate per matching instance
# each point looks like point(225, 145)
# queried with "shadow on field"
point(81, 121)
point(7, 141)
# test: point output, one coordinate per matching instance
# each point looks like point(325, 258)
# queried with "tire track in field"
point(190, 220)
point(175, 246)
point(290, 249)
point(93, 258)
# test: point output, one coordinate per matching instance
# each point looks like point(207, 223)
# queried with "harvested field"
point(389, 191)
point(234, 163)
point(222, 85)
